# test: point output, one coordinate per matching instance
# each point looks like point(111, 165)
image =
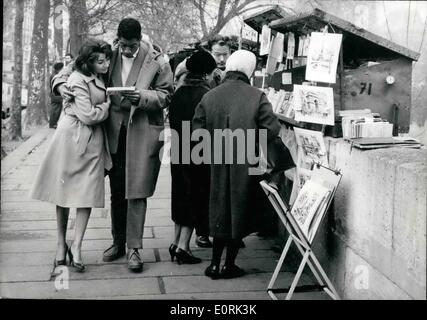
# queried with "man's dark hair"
point(129, 28)
point(58, 66)
point(220, 40)
point(70, 55)
point(88, 53)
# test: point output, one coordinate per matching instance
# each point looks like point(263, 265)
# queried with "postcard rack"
point(297, 237)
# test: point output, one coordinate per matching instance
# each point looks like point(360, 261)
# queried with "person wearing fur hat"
point(234, 104)
point(190, 182)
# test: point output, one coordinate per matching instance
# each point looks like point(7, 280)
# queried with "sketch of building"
point(311, 148)
point(322, 59)
point(314, 104)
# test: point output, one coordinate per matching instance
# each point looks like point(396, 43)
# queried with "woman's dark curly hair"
point(89, 53)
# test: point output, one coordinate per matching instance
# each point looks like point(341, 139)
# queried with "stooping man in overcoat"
point(133, 129)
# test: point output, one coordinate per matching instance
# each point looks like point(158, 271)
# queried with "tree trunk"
point(78, 24)
point(36, 110)
point(58, 30)
point(15, 129)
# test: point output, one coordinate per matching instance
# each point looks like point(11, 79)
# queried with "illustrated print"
point(323, 55)
point(314, 104)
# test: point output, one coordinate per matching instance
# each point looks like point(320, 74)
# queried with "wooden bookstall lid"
point(264, 17)
point(314, 20)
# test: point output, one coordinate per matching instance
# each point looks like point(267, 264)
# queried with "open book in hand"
point(111, 91)
point(309, 207)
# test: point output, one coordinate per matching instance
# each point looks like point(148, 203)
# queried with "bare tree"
point(58, 30)
point(79, 18)
point(225, 11)
point(36, 110)
point(15, 128)
point(85, 16)
point(170, 24)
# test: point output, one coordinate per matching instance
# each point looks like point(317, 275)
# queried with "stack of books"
point(364, 124)
point(376, 143)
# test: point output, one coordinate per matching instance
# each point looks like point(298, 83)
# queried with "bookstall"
point(366, 71)
point(326, 80)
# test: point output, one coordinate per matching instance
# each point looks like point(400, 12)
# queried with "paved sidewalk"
point(28, 244)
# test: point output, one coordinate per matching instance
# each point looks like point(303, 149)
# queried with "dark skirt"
point(190, 194)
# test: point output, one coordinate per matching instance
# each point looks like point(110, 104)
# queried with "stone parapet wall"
point(373, 243)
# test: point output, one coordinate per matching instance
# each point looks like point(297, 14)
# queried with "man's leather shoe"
point(203, 242)
point(212, 272)
point(134, 261)
point(113, 253)
point(231, 271)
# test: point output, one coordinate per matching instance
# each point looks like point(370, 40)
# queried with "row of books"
point(364, 124)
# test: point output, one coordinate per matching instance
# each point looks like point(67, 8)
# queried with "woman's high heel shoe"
point(172, 251)
point(78, 267)
point(62, 262)
point(185, 257)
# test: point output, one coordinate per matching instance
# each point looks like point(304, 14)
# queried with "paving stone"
point(81, 289)
point(153, 220)
point(43, 216)
point(242, 295)
point(24, 274)
point(249, 282)
point(28, 225)
point(158, 204)
point(90, 234)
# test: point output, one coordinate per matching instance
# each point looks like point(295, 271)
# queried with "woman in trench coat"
point(234, 105)
point(72, 172)
point(190, 182)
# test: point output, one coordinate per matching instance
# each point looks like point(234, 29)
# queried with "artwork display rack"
point(296, 236)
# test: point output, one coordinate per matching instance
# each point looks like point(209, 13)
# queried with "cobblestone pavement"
point(28, 244)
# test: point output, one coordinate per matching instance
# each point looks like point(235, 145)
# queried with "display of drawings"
point(309, 207)
point(323, 54)
point(301, 176)
point(311, 147)
point(314, 104)
point(265, 40)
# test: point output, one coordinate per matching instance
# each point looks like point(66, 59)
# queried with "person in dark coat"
point(190, 182)
point(55, 101)
point(234, 105)
point(220, 49)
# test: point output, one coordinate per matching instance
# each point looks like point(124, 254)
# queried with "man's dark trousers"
point(123, 210)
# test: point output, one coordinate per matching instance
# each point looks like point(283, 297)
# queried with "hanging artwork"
point(286, 108)
point(291, 46)
point(300, 45)
point(314, 104)
point(323, 54)
point(265, 40)
point(279, 44)
point(306, 45)
point(311, 148)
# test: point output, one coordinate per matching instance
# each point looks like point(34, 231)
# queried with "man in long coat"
point(133, 130)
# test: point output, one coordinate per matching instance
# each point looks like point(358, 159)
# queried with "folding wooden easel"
point(319, 173)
